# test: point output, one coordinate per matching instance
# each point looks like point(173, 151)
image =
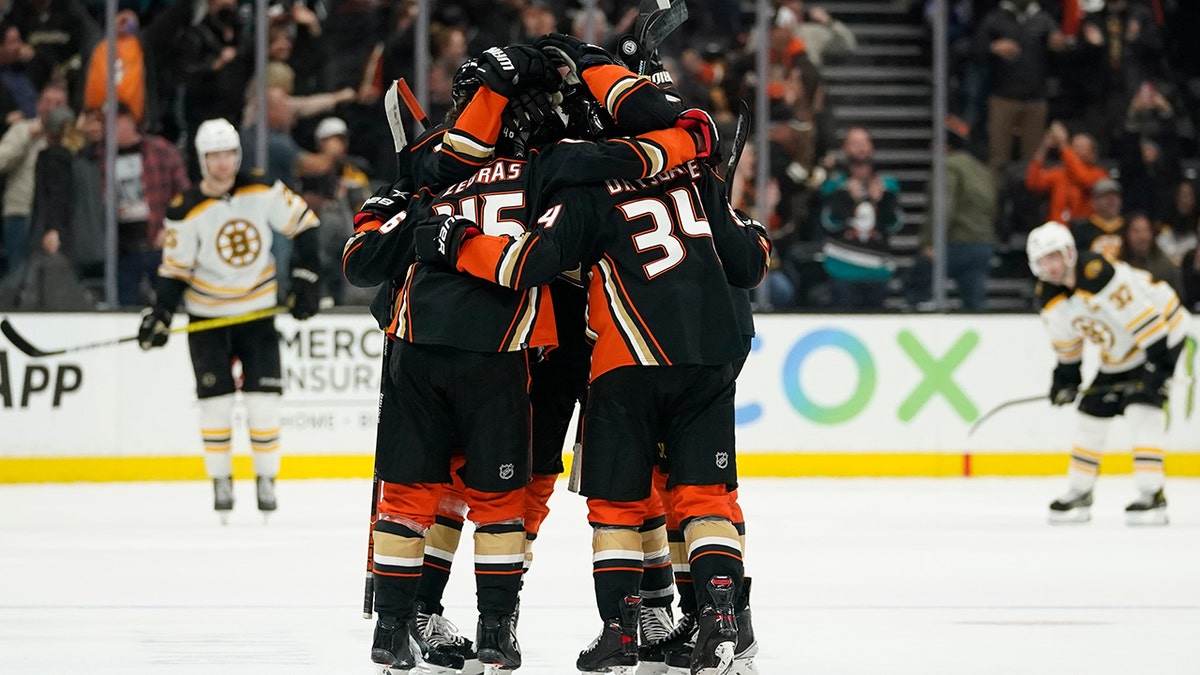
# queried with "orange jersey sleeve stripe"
point(480, 256)
point(676, 142)
point(481, 117)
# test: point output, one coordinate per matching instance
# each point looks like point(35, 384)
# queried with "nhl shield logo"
point(506, 471)
point(722, 460)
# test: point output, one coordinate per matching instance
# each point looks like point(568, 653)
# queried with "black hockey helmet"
point(465, 83)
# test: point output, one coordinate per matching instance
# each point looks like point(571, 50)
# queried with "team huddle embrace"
point(562, 237)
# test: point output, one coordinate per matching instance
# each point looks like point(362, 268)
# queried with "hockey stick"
point(391, 107)
point(657, 19)
point(1044, 397)
point(28, 349)
point(739, 144)
point(369, 588)
point(414, 106)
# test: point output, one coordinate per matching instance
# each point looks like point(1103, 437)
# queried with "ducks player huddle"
point(563, 236)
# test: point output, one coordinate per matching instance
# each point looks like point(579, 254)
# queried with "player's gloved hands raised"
point(573, 53)
point(704, 133)
point(387, 203)
point(305, 296)
point(155, 328)
point(440, 241)
point(1065, 386)
point(503, 70)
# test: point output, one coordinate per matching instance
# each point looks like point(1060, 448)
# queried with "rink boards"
point(820, 395)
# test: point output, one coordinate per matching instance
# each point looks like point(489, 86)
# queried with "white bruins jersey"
point(221, 246)
point(1118, 307)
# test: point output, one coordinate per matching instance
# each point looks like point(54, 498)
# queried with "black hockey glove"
point(387, 202)
point(504, 70)
point(155, 328)
point(1157, 369)
point(440, 241)
point(305, 297)
point(704, 134)
point(573, 53)
point(1065, 386)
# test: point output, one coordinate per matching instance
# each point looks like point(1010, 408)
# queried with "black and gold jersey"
point(661, 255)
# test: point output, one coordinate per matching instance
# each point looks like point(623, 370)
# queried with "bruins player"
point(656, 250)
point(1140, 327)
point(217, 259)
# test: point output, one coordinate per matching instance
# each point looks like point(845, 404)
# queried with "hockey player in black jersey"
point(486, 410)
point(661, 373)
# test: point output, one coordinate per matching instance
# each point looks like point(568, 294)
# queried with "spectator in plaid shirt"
point(149, 174)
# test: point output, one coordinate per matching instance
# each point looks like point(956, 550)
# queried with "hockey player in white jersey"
point(1140, 327)
point(217, 259)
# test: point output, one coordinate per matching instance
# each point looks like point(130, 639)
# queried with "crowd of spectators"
point(1051, 99)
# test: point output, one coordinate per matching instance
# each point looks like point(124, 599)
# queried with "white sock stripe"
point(448, 556)
point(682, 567)
point(664, 552)
point(393, 561)
point(616, 554)
point(500, 559)
point(724, 542)
point(664, 592)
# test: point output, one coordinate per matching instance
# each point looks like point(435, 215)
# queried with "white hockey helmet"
point(1046, 239)
point(216, 135)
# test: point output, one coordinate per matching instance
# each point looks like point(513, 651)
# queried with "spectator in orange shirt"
point(1069, 185)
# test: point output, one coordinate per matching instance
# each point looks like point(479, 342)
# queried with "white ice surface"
point(851, 576)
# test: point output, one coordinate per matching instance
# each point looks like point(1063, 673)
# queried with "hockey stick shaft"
point(410, 100)
point(1098, 391)
point(29, 349)
point(741, 132)
point(369, 587)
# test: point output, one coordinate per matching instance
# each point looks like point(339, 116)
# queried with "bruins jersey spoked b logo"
point(1094, 330)
point(238, 243)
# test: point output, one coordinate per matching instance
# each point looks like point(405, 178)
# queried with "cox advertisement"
point(813, 385)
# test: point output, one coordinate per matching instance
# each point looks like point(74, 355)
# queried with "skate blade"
point(495, 669)
point(472, 667)
point(1075, 516)
point(1151, 518)
point(430, 669)
point(381, 669)
point(652, 668)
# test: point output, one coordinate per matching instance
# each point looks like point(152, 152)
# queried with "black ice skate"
point(615, 650)
point(747, 646)
point(392, 649)
point(1072, 507)
point(223, 498)
point(1148, 509)
point(655, 625)
point(445, 651)
point(496, 642)
point(716, 639)
point(265, 489)
point(677, 648)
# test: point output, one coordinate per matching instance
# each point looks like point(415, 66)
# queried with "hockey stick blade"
point(22, 344)
point(739, 144)
point(391, 107)
point(660, 24)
